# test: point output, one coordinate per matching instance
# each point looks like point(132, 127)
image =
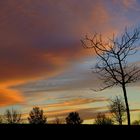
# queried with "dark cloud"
point(34, 35)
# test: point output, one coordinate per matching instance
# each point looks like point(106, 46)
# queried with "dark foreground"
point(69, 131)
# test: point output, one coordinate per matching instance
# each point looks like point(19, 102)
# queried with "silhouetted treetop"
point(103, 120)
point(73, 118)
point(36, 116)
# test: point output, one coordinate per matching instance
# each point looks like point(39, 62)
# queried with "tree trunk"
point(120, 121)
point(126, 103)
point(120, 115)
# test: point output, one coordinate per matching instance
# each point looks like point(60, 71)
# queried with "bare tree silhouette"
point(113, 67)
point(36, 116)
point(103, 120)
point(57, 121)
point(73, 118)
point(12, 117)
point(118, 109)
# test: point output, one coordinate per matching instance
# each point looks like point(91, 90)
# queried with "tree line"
point(117, 111)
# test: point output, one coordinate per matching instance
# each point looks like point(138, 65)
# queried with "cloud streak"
point(10, 97)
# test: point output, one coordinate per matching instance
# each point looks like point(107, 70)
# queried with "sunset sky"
point(42, 61)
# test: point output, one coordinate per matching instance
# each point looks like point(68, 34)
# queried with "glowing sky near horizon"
point(42, 62)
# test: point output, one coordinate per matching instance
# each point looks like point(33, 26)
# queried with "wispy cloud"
point(10, 97)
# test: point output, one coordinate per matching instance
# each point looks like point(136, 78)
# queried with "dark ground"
point(70, 131)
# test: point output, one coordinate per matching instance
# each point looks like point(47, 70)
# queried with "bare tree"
point(118, 109)
point(101, 119)
point(57, 121)
point(12, 117)
point(36, 116)
point(113, 67)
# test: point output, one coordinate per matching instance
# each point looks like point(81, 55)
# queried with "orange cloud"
point(10, 97)
point(75, 102)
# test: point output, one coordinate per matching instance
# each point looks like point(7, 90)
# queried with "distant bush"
point(118, 110)
point(73, 118)
point(103, 120)
point(36, 116)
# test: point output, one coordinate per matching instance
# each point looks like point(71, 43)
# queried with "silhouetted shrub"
point(103, 120)
point(36, 116)
point(73, 118)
